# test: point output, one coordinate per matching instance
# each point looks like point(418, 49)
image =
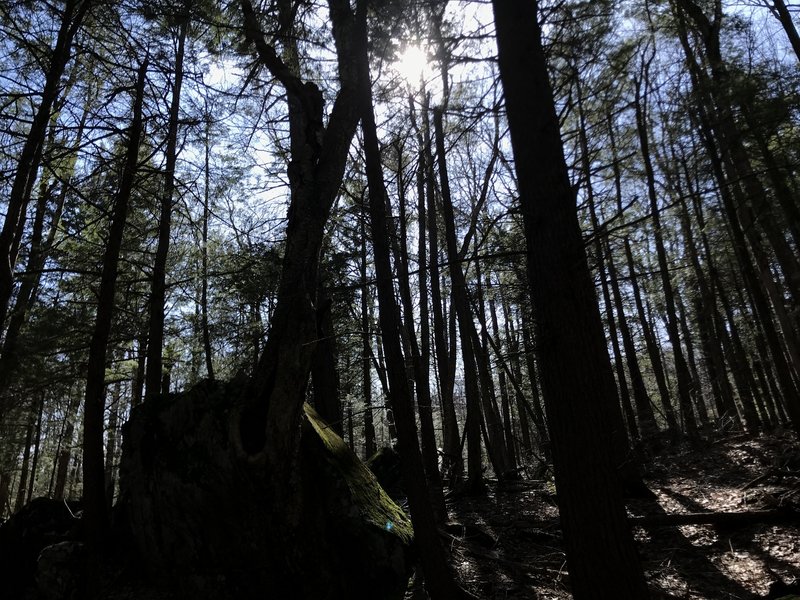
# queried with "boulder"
point(39, 524)
point(59, 572)
point(205, 519)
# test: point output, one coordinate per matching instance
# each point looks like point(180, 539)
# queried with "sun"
point(412, 64)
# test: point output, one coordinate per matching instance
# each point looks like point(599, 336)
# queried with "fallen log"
point(786, 514)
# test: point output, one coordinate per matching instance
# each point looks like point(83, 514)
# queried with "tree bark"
point(269, 427)
point(95, 510)
point(452, 461)
point(575, 370)
point(681, 368)
point(72, 18)
point(479, 405)
point(366, 349)
point(439, 579)
point(158, 285)
point(420, 366)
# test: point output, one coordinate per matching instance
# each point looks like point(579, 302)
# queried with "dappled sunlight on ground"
point(510, 544)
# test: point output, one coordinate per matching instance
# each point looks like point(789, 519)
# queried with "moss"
point(374, 503)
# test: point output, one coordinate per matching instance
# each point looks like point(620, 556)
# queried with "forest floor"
point(508, 544)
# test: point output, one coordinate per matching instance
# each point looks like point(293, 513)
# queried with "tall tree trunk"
point(576, 374)
point(452, 461)
point(477, 403)
point(72, 18)
point(438, 577)
point(706, 311)
point(420, 366)
point(696, 391)
point(533, 379)
point(36, 447)
point(652, 347)
point(505, 401)
point(366, 350)
point(111, 442)
point(95, 510)
point(24, 472)
point(681, 368)
point(622, 383)
point(641, 398)
point(515, 354)
point(270, 425)
point(65, 451)
point(204, 249)
point(158, 285)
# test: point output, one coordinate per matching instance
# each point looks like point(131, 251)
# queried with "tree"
point(72, 18)
point(95, 507)
point(438, 577)
point(153, 373)
point(574, 366)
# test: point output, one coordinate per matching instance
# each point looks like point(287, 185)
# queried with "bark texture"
point(575, 371)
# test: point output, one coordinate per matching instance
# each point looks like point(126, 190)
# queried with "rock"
point(205, 519)
point(39, 524)
point(385, 465)
point(60, 571)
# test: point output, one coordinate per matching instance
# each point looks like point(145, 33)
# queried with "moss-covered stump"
point(203, 517)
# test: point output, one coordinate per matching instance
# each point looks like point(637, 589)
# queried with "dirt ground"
point(507, 545)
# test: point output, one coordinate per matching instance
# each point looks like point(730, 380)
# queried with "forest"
point(388, 299)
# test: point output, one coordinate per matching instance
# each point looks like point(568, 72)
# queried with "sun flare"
point(412, 64)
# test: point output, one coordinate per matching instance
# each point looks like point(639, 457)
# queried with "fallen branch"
point(778, 515)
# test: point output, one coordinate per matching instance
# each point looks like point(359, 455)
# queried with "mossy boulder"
point(205, 520)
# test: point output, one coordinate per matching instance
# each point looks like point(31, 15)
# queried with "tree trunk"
point(366, 349)
point(324, 372)
point(641, 399)
point(24, 473)
point(72, 19)
point(652, 347)
point(204, 250)
point(270, 425)
point(783, 15)
point(478, 405)
point(65, 451)
point(111, 444)
point(420, 367)
point(95, 509)
point(36, 447)
point(438, 577)
point(575, 370)
point(158, 285)
point(452, 460)
point(681, 368)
